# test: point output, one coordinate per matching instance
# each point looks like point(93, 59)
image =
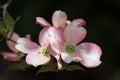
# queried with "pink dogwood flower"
point(15, 55)
point(87, 53)
point(36, 54)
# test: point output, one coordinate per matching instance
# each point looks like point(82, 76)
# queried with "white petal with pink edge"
point(59, 19)
point(74, 34)
point(89, 52)
point(66, 58)
point(37, 59)
point(27, 46)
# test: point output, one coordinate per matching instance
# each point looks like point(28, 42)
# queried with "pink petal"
point(43, 37)
point(74, 34)
point(57, 56)
point(13, 36)
point(89, 52)
point(79, 22)
point(59, 19)
point(55, 39)
point(10, 56)
point(41, 21)
point(11, 44)
point(66, 57)
point(27, 46)
point(91, 63)
point(37, 59)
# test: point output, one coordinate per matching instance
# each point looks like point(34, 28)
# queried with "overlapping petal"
point(55, 39)
point(27, 46)
point(37, 59)
point(74, 34)
point(43, 37)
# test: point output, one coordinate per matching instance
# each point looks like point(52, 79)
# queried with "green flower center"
point(45, 51)
point(70, 48)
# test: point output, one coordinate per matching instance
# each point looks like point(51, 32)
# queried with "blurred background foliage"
point(103, 25)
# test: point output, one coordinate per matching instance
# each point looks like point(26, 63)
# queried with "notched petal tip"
point(59, 19)
point(74, 34)
point(90, 54)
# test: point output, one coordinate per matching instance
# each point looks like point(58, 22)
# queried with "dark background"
point(103, 26)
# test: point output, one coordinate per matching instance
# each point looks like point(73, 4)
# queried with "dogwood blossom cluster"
point(62, 40)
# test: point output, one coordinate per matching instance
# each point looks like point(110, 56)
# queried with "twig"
point(5, 6)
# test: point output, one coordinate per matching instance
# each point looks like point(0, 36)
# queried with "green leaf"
point(8, 26)
point(21, 65)
point(51, 66)
point(24, 64)
point(1, 25)
point(43, 69)
point(72, 67)
point(16, 66)
point(9, 21)
point(2, 29)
